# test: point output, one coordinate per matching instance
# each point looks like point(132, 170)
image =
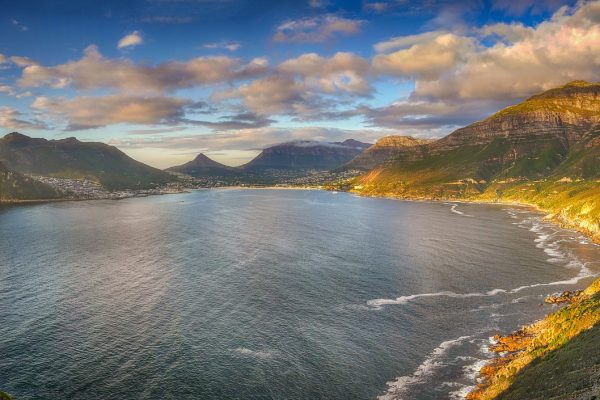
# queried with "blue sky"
point(166, 79)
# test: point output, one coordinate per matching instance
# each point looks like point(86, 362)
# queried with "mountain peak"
point(16, 137)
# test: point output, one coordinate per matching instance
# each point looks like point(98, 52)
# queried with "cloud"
point(427, 56)
point(270, 95)
point(448, 66)
point(19, 25)
point(3, 59)
point(166, 19)
point(377, 6)
point(316, 29)
point(231, 46)
point(248, 139)
point(94, 112)
point(317, 3)
point(343, 72)
point(426, 115)
point(21, 61)
point(8, 90)
point(521, 7)
point(308, 87)
point(130, 40)
point(93, 71)
point(13, 119)
point(241, 121)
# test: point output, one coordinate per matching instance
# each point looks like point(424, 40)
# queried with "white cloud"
point(344, 72)
point(230, 46)
point(130, 40)
point(19, 25)
point(316, 29)
point(93, 112)
point(524, 61)
point(94, 71)
point(426, 58)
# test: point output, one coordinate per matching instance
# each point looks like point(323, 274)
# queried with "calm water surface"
point(268, 294)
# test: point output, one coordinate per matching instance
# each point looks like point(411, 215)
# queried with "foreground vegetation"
point(555, 358)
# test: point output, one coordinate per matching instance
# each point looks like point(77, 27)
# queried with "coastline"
point(529, 344)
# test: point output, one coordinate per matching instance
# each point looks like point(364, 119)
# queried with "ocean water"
point(269, 294)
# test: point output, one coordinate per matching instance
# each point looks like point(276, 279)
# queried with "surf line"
point(455, 211)
point(379, 303)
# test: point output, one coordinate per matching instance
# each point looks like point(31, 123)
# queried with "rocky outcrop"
point(389, 149)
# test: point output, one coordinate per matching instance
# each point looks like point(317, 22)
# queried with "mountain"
point(70, 158)
point(17, 187)
point(202, 166)
point(387, 150)
point(544, 151)
point(306, 155)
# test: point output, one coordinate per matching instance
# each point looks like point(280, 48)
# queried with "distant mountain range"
point(70, 158)
point(280, 161)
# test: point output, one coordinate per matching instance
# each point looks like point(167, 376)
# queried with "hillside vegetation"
point(70, 158)
point(555, 358)
point(14, 186)
point(544, 152)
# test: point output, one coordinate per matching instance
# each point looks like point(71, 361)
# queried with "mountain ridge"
point(71, 158)
point(529, 156)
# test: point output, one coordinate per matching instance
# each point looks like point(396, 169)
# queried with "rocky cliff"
point(544, 151)
point(387, 150)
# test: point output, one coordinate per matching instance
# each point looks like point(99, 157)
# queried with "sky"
point(164, 80)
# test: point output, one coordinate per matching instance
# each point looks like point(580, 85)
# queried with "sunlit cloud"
point(133, 39)
point(94, 71)
point(13, 119)
point(93, 112)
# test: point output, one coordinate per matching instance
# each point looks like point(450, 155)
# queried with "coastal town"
point(86, 189)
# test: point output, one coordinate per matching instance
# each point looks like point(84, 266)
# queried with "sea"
point(270, 294)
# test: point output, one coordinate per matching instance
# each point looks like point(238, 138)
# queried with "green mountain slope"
point(70, 158)
point(16, 187)
point(544, 152)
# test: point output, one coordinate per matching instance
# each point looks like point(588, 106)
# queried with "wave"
point(378, 303)
point(455, 211)
point(406, 299)
point(261, 354)
point(401, 385)
point(546, 240)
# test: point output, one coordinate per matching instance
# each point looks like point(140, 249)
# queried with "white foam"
point(377, 303)
point(261, 354)
point(400, 386)
point(455, 211)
